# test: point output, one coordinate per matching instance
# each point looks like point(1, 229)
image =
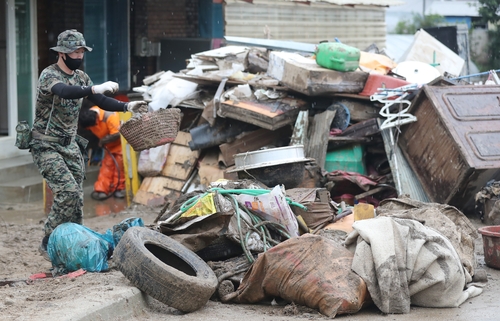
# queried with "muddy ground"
point(48, 298)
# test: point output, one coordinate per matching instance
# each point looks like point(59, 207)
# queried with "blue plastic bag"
point(74, 246)
point(124, 225)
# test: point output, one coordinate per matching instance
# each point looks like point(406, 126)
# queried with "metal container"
point(269, 157)
point(453, 147)
point(273, 166)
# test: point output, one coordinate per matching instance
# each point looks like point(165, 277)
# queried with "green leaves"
point(417, 22)
point(489, 10)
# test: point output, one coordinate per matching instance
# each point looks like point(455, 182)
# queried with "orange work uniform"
point(110, 179)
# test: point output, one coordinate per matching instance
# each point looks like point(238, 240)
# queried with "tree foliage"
point(417, 22)
point(489, 11)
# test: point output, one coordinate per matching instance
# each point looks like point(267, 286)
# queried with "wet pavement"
point(34, 212)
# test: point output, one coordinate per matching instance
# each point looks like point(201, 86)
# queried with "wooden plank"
point(304, 75)
point(180, 162)
point(153, 184)
point(158, 184)
point(361, 110)
point(182, 138)
point(318, 143)
point(251, 141)
point(362, 129)
point(174, 184)
point(270, 115)
point(148, 198)
point(299, 136)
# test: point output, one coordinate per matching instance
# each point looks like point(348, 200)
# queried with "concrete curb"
point(131, 302)
point(94, 303)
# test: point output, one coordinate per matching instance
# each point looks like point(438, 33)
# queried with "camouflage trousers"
point(64, 170)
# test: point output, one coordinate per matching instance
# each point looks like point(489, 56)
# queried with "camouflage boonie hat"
point(69, 41)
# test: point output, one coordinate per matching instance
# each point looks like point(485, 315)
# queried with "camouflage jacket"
point(63, 119)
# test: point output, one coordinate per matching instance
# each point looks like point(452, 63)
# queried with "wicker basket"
point(152, 129)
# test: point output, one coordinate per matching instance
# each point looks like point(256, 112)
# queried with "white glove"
point(139, 107)
point(108, 86)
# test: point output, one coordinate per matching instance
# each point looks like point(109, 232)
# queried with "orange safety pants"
point(108, 180)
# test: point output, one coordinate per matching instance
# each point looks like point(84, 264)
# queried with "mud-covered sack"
point(120, 228)
point(309, 270)
point(73, 246)
point(23, 136)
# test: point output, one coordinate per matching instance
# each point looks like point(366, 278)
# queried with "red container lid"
point(376, 81)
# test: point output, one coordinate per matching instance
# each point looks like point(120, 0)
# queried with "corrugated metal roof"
point(396, 45)
point(377, 3)
point(454, 8)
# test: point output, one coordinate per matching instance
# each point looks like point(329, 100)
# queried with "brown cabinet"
point(454, 146)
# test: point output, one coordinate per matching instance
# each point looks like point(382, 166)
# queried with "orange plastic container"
point(376, 81)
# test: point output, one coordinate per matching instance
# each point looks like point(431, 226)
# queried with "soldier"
point(56, 148)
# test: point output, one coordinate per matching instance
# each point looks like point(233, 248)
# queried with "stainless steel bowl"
point(273, 166)
point(269, 157)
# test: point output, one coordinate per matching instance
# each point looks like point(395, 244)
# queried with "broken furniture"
point(176, 173)
point(454, 148)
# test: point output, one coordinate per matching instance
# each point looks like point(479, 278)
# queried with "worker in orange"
point(105, 125)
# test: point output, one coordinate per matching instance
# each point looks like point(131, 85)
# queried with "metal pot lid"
point(269, 157)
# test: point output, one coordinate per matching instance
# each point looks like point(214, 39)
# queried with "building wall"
point(479, 45)
point(153, 19)
point(157, 20)
point(357, 26)
point(53, 17)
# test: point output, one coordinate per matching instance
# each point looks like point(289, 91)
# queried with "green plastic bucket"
point(349, 159)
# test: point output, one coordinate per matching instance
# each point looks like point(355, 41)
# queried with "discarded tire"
point(165, 269)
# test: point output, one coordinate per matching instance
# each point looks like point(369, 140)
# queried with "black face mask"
point(71, 63)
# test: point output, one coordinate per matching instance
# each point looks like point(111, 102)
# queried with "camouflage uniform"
point(61, 166)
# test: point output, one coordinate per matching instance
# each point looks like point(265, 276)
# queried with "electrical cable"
point(258, 225)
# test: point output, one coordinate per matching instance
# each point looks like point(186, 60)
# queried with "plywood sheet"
point(181, 159)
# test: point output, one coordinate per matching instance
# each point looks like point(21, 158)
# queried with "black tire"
point(165, 269)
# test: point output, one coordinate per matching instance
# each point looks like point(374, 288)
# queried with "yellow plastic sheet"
point(204, 206)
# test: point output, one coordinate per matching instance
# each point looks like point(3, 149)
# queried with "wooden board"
point(154, 189)
point(181, 159)
point(304, 75)
point(318, 143)
point(269, 115)
point(180, 162)
point(154, 200)
point(249, 142)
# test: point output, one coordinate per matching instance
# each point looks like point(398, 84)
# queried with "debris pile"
point(316, 177)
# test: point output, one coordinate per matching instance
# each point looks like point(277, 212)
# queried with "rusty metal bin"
point(454, 146)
